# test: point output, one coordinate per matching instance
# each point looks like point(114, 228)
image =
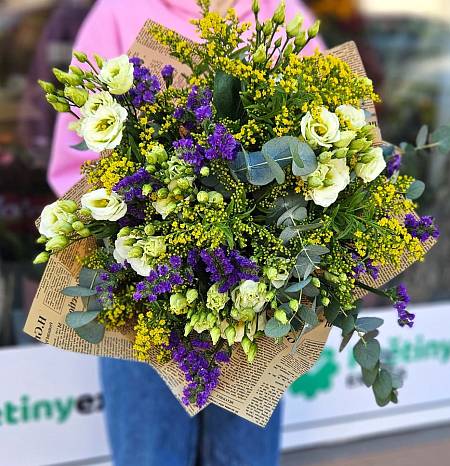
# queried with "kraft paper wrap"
point(250, 391)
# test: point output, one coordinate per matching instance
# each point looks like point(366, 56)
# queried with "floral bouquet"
point(242, 205)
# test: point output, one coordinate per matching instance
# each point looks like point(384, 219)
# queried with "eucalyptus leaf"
point(294, 213)
point(287, 234)
point(369, 375)
point(308, 315)
point(367, 354)
point(298, 286)
point(93, 332)
point(332, 311)
point(422, 136)
point(78, 319)
point(382, 386)
point(276, 329)
point(441, 137)
point(88, 277)
point(309, 226)
point(78, 291)
point(348, 325)
point(311, 291)
point(368, 324)
point(304, 161)
point(316, 249)
point(415, 190)
point(345, 341)
point(276, 170)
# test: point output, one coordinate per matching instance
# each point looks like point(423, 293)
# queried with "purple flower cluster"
point(202, 376)
point(167, 74)
point(160, 280)
point(393, 164)
point(146, 85)
point(190, 151)
point(422, 227)
point(363, 267)
point(225, 267)
point(401, 300)
point(130, 187)
point(198, 104)
point(222, 144)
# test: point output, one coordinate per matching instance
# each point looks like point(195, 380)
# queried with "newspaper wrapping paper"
point(250, 391)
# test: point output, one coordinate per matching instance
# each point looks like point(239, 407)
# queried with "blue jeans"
point(148, 427)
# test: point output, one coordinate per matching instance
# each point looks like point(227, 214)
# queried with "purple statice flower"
point(146, 85)
point(393, 164)
point(116, 267)
point(401, 300)
point(222, 144)
point(130, 187)
point(202, 375)
point(167, 73)
point(203, 113)
point(226, 267)
point(222, 356)
point(422, 228)
point(179, 113)
point(175, 262)
point(190, 152)
point(160, 280)
point(364, 267)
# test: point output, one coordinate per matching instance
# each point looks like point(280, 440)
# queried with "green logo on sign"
point(319, 378)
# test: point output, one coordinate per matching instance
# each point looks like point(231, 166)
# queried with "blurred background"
point(405, 45)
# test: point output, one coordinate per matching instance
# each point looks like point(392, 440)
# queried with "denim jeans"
point(148, 427)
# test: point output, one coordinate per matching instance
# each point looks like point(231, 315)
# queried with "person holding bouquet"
point(147, 426)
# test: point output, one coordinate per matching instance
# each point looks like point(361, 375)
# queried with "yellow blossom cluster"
point(108, 171)
point(151, 331)
point(120, 312)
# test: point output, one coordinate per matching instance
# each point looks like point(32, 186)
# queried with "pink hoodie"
point(109, 30)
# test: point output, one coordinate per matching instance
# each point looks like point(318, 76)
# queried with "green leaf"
point(345, 341)
point(78, 319)
point(78, 291)
point(348, 325)
point(311, 291)
point(277, 171)
point(276, 329)
point(287, 234)
point(369, 375)
point(309, 226)
point(294, 213)
point(227, 100)
point(93, 332)
point(441, 136)
point(316, 249)
point(308, 315)
point(332, 311)
point(382, 387)
point(294, 288)
point(367, 324)
point(88, 277)
point(82, 146)
point(304, 160)
point(422, 136)
point(397, 381)
point(415, 190)
point(367, 355)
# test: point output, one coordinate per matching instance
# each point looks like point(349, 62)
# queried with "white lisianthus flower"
point(354, 118)
point(371, 164)
point(329, 179)
point(121, 253)
point(215, 300)
point(249, 297)
point(104, 206)
point(103, 129)
point(117, 74)
point(95, 101)
point(51, 218)
point(321, 132)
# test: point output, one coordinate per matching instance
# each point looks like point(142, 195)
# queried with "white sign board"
point(331, 404)
point(48, 420)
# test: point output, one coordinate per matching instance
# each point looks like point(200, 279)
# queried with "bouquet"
point(243, 203)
